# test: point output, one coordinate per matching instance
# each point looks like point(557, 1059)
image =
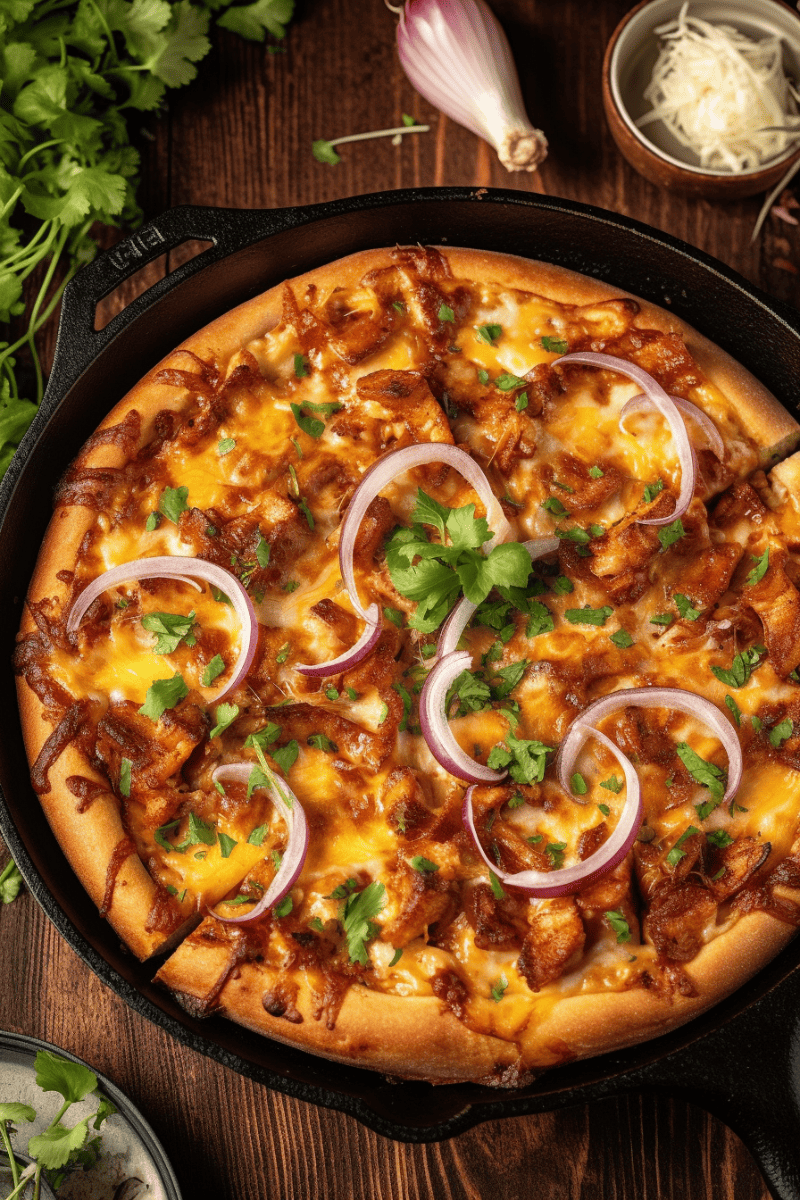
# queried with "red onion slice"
point(461, 615)
point(364, 646)
point(565, 880)
point(642, 403)
point(386, 469)
point(658, 697)
point(294, 855)
point(663, 404)
point(179, 567)
point(436, 728)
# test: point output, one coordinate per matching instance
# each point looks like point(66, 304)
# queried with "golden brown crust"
point(413, 1036)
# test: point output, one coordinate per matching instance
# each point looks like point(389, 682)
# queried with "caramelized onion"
point(294, 855)
point(384, 471)
point(180, 568)
point(436, 728)
point(565, 880)
point(668, 410)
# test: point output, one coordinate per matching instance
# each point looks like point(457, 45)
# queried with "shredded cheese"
point(721, 94)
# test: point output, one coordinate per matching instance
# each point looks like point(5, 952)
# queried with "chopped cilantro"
point(525, 759)
point(507, 382)
point(358, 911)
point(310, 425)
point(760, 569)
point(661, 619)
point(224, 446)
point(424, 865)
point(734, 708)
point(125, 777)
point(595, 473)
point(579, 784)
point(283, 653)
point(521, 401)
point(588, 616)
point(498, 991)
point(300, 366)
point(669, 534)
point(652, 490)
point(705, 773)
point(446, 314)
point(604, 809)
point(676, 853)
point(612, 784)
point(554, 506)
point(264, 737)
point(395, 959)
point(257, 836)
point(483, 377)
point(383, 713)
point(262, 551)
point(741, 668)
point(622, 639)
point(172, 502)
point(226, 844)
point(170, 630)
point(555, 852)
point(352, 694)
point(576, 534)
point(488, 333)
point(152, 522)
point(617, 921)
point(685, 608)
point(214, 669)
point(284, 907)
point(163, 694)
point(555, 345)
point(719, 838)
point(225, 715)
point(562, 586)
point(779, 733)
point(332, 693)
point(286, 756)
point(497, 888)
point(394, 615)
point(320, 742)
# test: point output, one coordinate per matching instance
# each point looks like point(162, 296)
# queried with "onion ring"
point(642, 403)
point(296, 848)
point(382, 472)
point(669, 411)
point(436, 728)
point(565, 880)
point(656, 697)
point(179, 567)
point(364, 646)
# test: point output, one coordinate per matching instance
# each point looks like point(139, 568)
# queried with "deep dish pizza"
point(411, 667)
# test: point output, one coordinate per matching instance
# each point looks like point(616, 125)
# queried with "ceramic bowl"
point(653, 150)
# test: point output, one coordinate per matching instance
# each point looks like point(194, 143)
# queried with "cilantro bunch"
point(59, 1147)
point(72, 74)
point(434, 573)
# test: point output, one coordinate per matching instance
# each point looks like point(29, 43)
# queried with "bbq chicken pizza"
point(411, 667)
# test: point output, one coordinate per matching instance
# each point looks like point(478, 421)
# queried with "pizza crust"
point(416, 1037)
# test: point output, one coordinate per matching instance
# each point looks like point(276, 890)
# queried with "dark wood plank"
point(241, 137)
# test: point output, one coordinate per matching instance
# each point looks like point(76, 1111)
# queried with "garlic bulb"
point(457, 56)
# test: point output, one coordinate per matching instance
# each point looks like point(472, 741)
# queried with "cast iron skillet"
point(741, 1060)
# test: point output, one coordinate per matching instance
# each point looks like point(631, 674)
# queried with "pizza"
point(410, 669)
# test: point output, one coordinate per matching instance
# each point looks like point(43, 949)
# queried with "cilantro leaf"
point(10, 882)
point(719, 838)
point(705, 773)
point(760, 569)
point(555, 345)
point(53, 1147)
point(617, 921)
point(498, 991)
point(358, 911)
point(779, 733)
point(225, 715)
point(622, 639)
point(170, 629)
point(507, 382)
point(286, 756)
point(254, 21)
point(488, 333)
point(172, 502)
point(741, 668)
point(424, 865)
point(163, 694)
point(213, 670)
point(685, 608)
point(677, 852)
point(324, 152)
point(612, 785)
point(72, 1081)
point(310, 425)
point(588, 616)
point(668, 535)
point(525, 758)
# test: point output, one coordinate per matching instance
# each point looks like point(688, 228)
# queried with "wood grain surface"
point(241, 136)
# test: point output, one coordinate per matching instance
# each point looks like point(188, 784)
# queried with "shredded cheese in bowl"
point(722, 95)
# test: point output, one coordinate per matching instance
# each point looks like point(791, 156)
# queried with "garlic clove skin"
point(457, 56)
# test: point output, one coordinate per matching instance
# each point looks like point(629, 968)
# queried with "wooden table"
point(241, 136)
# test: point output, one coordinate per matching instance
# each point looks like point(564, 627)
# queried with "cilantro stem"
point(12, 1162)
point(379, 133)
point(35, 150)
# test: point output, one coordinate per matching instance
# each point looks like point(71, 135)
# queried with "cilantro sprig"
point(434, 573)
point(75, 78)
point(58, 1148)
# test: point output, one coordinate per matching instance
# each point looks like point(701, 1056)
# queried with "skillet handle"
point(228, 229)
point(747, 1073)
